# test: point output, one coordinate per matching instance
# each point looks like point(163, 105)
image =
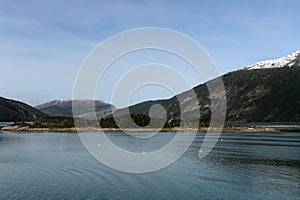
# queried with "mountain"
point(11, 110)
point(63, 108)
point(267, 91)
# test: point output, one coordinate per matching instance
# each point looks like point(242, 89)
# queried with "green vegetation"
point(138, 119)
point(49, 122)
point(144, 120)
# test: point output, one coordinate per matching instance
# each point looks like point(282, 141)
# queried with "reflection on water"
point(241, 166)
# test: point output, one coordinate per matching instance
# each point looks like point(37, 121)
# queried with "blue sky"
point(43, 43)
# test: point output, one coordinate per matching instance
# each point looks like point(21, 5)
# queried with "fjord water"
point(241, 166)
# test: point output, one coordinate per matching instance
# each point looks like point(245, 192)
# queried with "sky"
point(43, 43)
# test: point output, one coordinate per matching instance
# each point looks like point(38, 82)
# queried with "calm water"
point(241, 166)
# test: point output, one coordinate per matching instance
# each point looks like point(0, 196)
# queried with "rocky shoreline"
point(233, 129)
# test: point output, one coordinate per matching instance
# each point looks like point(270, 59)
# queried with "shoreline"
point(234, 129)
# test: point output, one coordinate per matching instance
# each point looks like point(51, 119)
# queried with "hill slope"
point(260, 94)
point(11, 110)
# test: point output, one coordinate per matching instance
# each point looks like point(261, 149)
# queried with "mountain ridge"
point(264, 94)
point(63, 108)
point(291, 59)
point(12, 110)
point(264, 91)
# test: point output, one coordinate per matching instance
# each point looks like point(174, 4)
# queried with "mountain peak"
point(63, 107)
point(290, 60)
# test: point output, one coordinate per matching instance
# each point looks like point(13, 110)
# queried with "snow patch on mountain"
point(289, 60)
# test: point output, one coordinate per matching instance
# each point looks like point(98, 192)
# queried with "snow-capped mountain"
point(292, 59)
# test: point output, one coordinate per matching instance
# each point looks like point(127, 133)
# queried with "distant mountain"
point(268, 92)
point(11, 110)
point(63, 108)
